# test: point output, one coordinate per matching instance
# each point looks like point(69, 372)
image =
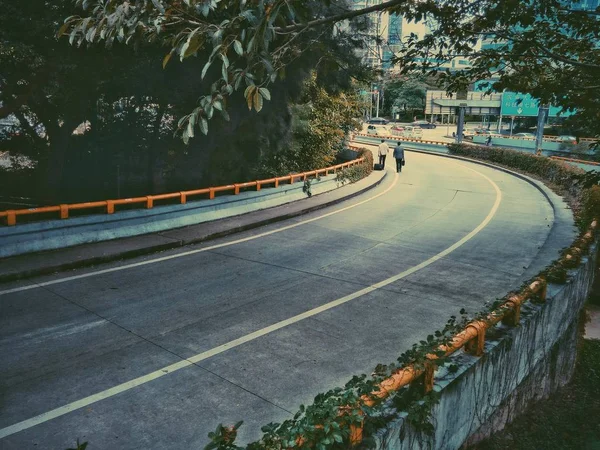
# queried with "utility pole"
point(541, 121)
point(377, 113)
point(461, 122)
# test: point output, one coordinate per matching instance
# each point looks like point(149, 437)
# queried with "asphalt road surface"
point(153, 354)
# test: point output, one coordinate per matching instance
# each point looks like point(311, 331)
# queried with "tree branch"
point(566, 60)
point(340, 17)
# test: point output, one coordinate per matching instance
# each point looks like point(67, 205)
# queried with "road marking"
point(4, 432)
point(193, 252)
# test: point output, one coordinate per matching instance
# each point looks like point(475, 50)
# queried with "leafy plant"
point(79, 446)
point(223, 438)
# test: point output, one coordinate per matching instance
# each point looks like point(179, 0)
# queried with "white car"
point(525, 135)
point(377, 130)
point(412, 132)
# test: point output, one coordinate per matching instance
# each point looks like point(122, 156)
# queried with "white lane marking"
point(249, 337)
point(192, 252)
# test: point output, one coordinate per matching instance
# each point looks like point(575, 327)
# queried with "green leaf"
point(237, 46)
point(224, 58)
point(225, 115)
point(265, 93)
point(190, 127)
point(205, 69)
point(203, 125)
point(250, 45)
point(224, 73)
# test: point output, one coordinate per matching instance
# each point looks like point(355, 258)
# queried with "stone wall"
point(520, 365)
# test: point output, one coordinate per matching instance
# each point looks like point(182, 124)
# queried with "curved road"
point(154, 354)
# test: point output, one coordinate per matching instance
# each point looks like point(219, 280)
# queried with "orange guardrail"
point(148, 201)
point(471, 339)
point(580, 161)
point(400, 138)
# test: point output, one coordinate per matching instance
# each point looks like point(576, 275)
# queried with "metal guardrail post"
point(64, 211)
point(476, 345)
point(428, 377)
point(514, 317)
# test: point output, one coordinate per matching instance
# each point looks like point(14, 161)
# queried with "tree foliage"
point(320, 124)
point(131, 108)
point(244, 45)
point(407, 93)
point(545, 47)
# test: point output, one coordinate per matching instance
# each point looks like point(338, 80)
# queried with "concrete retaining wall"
point(53, 234)
point(520, 365)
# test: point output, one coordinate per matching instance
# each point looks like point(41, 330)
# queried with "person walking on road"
point(382, 152)
point(399, 156)
point(488, 141)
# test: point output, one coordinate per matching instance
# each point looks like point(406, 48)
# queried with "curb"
point(70, 265)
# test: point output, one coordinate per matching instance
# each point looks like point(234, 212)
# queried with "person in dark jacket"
point(399, 156)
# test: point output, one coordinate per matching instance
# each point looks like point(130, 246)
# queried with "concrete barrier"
point(520, 365)
point(53, 234)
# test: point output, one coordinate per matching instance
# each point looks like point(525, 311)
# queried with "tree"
point(320, 124)
point(547, 47)
point(131, 107)
point(407, 93)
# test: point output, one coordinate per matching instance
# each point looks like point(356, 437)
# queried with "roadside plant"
point(79, 446)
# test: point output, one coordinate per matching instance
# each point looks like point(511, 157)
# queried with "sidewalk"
point(29, 265)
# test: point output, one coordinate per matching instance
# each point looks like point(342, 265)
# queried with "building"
point(440, 105)
point(385, 36)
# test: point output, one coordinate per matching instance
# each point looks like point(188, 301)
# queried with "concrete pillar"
point(461, 124)
point(539, 135)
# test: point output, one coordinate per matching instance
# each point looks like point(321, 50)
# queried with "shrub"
point(358, 172)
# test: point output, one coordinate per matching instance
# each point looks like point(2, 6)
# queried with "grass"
point(570, 419)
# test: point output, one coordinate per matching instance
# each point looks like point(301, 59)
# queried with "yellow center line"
point(70, 407)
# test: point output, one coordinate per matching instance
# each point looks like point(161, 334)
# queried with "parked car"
point(568, 139)
point(397, 130)
point(423, 124)
point(377, 130)
point(378, 121)
point(412, 132)
point(525, 135)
